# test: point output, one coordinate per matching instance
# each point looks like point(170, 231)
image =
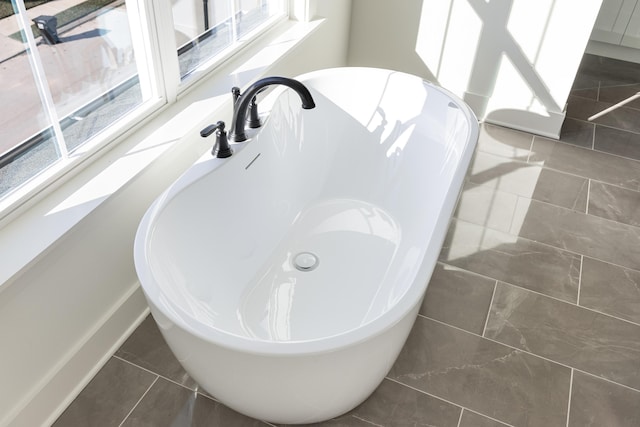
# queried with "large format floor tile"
point(147, 348)
point(487, 377)
point(611, 289)
point(623, 118)
point(451, 288)
point(109, 397)
point(527, 180)
point(614, 203)
point(511, 259)
point(565, 333)
point(167, 405)
point(471, 419)
point(618, 142)
point(596, 402)
point(580, 233)
point(393, 404)
point(586, 163)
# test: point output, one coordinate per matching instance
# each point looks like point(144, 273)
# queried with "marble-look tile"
point(168, 404)
point(529, 180)
point(566, 333)
point(484, 376)
point(511, 259)
point(577, 232)
point(618, 93)
point(608, 70)
point(108, 397)
point(596, 165)
point(451, 288)
point(147, 348)
point(582, 108)
point(504, 142)
point(394, 404)
point(614, 203)
point(610, 289)
point(471, 419)
point(618, 142)
point(577, 132)
point(485, 206)
point(585, 88)
point(596, 402)
point(622, 118)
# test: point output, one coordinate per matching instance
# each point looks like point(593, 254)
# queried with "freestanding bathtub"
point(287, 277)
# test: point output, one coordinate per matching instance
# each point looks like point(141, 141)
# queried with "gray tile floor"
point(531, 318)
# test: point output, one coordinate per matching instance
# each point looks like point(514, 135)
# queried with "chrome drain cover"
point(305, 261)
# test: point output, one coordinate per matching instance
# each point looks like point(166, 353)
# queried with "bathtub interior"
point(360, 181)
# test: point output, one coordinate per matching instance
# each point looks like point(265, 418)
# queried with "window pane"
point(27, 143)
point(205, 28)
point(73, 74)
point(92, 72)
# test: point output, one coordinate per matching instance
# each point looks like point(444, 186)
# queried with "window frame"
point(161, 60)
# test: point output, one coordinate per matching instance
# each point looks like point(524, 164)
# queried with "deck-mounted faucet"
point(243, 102)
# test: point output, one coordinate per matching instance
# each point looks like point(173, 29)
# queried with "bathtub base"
point(289, 389)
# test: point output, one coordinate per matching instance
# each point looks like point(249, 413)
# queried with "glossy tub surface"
point(366, 182)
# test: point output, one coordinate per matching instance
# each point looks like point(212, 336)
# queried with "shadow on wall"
point(498, 55)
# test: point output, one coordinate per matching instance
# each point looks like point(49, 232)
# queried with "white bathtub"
point(367, 182)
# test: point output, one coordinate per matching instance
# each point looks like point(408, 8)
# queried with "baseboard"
point(87, 359)
point(547, 126)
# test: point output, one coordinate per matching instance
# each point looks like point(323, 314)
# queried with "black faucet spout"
point(242, 104)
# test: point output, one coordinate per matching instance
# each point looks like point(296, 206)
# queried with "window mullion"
point(233, 6)
point(41, 79)
point(167, 63)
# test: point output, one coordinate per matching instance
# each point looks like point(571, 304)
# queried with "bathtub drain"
point(305, 261)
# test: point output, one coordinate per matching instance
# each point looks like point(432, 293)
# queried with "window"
point(76, 74)
point(204, 29)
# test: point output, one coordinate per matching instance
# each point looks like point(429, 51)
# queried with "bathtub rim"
point(405, 304)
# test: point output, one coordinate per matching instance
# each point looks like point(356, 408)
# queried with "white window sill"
point(34, 228)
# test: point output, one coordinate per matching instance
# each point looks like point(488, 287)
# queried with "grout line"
point(157, 374)
point(533, 138)
point(580, 280)
point(593, 138)
point(588, 196)
point(138, 402)
point(593, 310)
point(486, 321)
point(570, 391)
point(555, 362)
point(366, 421)
point(446, 400)
point(460, 417)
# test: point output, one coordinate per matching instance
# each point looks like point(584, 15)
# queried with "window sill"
point(34, 228)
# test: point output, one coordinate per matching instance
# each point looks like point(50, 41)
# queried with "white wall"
point(62, 315)
point(512, 61)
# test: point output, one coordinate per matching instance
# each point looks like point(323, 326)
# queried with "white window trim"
point(35, 226)
point(156, 54)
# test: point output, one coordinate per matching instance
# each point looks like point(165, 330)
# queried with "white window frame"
point(155, 50)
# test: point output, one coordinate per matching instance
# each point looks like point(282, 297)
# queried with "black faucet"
point(248, 97)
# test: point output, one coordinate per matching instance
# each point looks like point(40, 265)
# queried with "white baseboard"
point(547, 126)
point(88, 358)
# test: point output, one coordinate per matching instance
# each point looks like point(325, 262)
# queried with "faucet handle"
point(222, 143)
